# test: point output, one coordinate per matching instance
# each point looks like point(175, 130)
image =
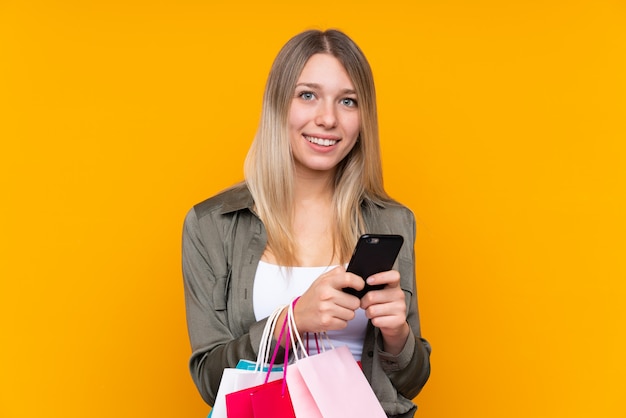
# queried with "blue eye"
point(306, 95)
point(348, 102)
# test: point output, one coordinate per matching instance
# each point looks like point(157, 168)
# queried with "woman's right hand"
point(325, 306)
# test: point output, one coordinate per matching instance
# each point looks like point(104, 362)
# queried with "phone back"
point(373, 253)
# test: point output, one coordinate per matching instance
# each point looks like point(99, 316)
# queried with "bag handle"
point(276, 348)
point(320, 338)
point(266, 339)
point(293, 330)
point(280, 338)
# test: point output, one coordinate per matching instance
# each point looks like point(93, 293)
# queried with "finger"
point(316, 316)
point(390, 278)
point(388, 322)
point(387, 295)
point(386, 313)
point(332, 281)
point(348, 301)
point(346, 314)
point(354, 281)
point(338, 278)
point(334, 319)
point(344, 280)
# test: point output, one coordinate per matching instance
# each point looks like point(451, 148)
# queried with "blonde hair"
point(269, 164)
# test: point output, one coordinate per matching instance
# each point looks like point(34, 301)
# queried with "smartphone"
point(373, 253)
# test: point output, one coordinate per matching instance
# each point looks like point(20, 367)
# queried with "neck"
point(313, 221)
point(313, 187)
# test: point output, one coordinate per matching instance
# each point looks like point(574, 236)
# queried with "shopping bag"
point(329, 384)
point(338, 386)
point(303, 403)
point(247, 373)
point(268, 400)
point(273, 401)
point(241, 377)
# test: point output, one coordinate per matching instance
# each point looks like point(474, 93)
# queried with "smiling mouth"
point(320, 141)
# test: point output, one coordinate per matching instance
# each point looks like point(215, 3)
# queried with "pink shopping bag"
point(303, 403)
point(329, 384)
point(336, 385)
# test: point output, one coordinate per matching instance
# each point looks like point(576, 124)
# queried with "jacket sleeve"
point(409, 370)
point(397, 379)
point(206, 277)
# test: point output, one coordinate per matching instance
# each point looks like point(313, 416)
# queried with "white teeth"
point(320, 141)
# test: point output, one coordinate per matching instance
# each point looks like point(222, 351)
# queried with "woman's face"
point(324, 118)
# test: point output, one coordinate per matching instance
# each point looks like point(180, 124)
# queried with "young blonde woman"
point(313, 184)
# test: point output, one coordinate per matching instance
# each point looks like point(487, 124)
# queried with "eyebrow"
point(319, 87)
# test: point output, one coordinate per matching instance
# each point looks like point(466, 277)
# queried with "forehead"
point(325, 69)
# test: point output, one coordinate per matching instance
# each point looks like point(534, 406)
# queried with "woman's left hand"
point(386, 308)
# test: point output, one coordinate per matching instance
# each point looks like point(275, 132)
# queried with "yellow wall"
point(503, 126)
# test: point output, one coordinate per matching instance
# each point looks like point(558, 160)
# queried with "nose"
point(326, 115)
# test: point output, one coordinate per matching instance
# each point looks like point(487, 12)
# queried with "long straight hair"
point(269, 166)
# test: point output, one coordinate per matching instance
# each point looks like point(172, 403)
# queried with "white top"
point(275, 285)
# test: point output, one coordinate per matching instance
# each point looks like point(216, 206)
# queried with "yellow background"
point(503, 128)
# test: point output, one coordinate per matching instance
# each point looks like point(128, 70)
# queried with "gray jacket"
point(223, 241)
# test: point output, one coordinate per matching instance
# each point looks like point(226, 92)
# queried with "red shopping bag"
point(269, 400)
point(248, 374)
